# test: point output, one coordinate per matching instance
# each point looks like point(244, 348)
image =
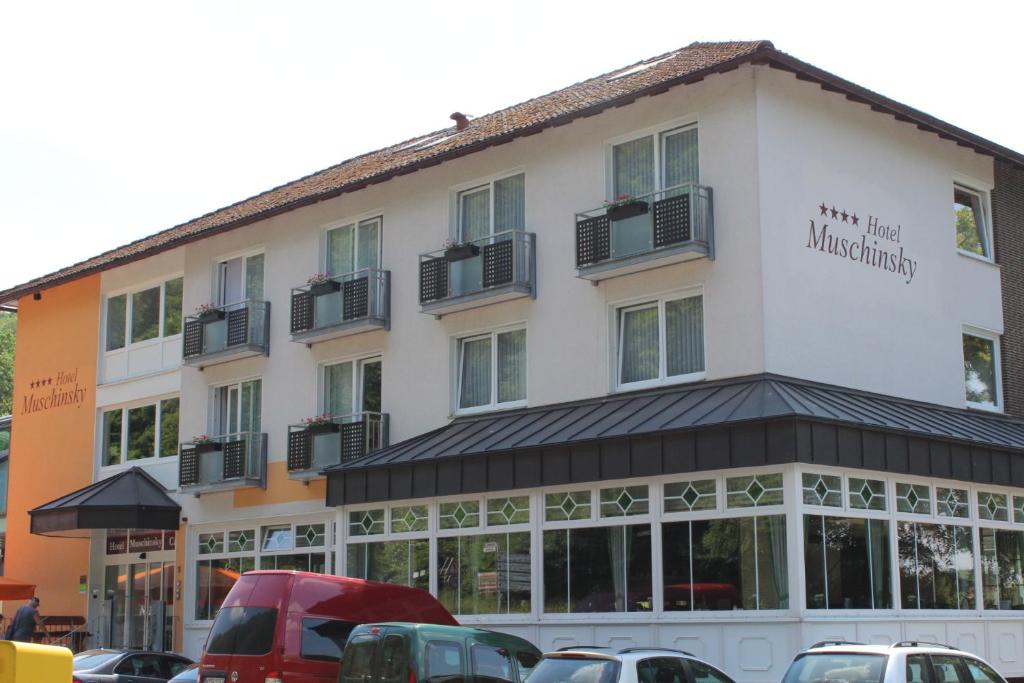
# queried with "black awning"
point(130, 500)
point(744, 422)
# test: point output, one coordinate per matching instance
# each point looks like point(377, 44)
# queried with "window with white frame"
point(390, 545)
point(139, 432)
point(970, 212)
point(597, 550)
point(491, 208)
point(138, 316)
point(492, 370)
point(981, 370)
point(655, 162)
point(660, 340)
point(240, 279)
point(238, 408)
point(222, 556)
point(352, 387)
point(713, 557)
point(354, 246)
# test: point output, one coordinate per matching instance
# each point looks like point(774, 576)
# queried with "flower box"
point(211, 315)
point(461, 252)
point(324, 428)
point(630, 209)
point(326, 287)
point(208, 447)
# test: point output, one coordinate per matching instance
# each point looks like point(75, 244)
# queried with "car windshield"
point(575, 670)
point(836, 667)
point(90, 659)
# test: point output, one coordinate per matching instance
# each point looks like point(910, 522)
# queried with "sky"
point(118, 120)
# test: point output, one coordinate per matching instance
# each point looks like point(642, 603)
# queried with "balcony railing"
point(225, 462)
point(311, 448)
point(343, 305)
point(495, 268)
point(648, 231)
point(227, 333)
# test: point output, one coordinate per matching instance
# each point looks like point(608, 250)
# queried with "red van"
point(291, 627)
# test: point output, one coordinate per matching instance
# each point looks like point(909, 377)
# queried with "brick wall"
point(1008, 226)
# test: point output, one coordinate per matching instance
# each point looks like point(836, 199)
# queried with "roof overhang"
point(130, 500)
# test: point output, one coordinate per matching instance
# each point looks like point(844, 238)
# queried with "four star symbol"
point(41, 382)
point(839, 214)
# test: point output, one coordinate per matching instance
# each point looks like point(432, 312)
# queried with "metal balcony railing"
point(224, 462)
point(494, 268)
point(675, 222)
point(344, 304)
point(226, 333)
point(311, 448)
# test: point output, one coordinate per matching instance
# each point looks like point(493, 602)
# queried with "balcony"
point(499, 267)
point(343, 305)
point(225, 462)
point(311, 448)
point(649, 231)
point(227, 333)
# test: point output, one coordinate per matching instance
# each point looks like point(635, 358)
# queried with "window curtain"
point(475, 385)
point(510, 203)
point(633, 167)
point(371, 386)
point(368, 255)
point(679, 158)
point(254, 277)
point(512, 366)
point(684, 336)
point(773, 572)
point(338, 399)
point(618, 557)
point(251, 406)
point(340, 250)
point(639, 345)
point(475, 214)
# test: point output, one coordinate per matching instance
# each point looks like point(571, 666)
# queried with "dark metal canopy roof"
point(130, 500)
point(748, 421)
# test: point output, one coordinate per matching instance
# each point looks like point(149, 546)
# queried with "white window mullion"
point(494, 369)
point(662, 342)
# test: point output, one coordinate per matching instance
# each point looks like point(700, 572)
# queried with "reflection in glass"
point(1002, 568)
point(214, 578)
point(485, 574)
point(604, 569)
point(846, 563)
point(145, 314)
point(936, 563)
point(406, 563)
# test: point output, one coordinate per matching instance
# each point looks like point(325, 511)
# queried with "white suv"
point(904, 662)
point(628, 665)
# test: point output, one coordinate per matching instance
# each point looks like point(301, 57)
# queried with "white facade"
point(772, 149)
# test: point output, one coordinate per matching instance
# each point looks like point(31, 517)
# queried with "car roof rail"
point(923, 643)
point(570, 648)
point(627, 650)
point(829, 643)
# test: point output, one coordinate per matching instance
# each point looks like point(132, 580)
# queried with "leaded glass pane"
point(993, 506)
point(464, 514)
point(503, 511)
point(952, 502)
point(625, 501)
point(310, 535)
point(408, 519)
point(755, 490)
point(366, 522)
point(822, 489)
point(915, 498)
point(211, 543)
point(241, 541)
point(687, 496)
point(567, 505)
point(278, 537)
point(867, 494)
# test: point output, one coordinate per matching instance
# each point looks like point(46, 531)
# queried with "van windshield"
point(242, 631)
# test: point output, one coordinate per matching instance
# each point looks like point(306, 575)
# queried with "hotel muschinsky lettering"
point(875, 244)
point(53, 391)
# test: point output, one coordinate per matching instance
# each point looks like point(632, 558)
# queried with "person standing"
point(25, 622)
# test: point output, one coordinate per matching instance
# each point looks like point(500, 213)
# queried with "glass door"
point(140, 600)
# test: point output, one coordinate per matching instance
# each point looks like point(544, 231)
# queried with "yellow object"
point(32, 663)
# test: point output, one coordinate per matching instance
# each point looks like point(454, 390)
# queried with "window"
point(917, 669)
point(238, 408)
point(946, 668)
point(971, 217)
point(240, 279)
point(837, 667)
point(846, 563)
point(981, 672)
point(936, 564)
point(491, 662)
point(405, 562)
point(494, 207)
point(352, 387)
point(725, 564)
point(981, 371)
point(527, 662)
point(140, 432)
point(484, 574)
point(357, 667)
point(492, 370)
point(394, 660)
point(214, 578)
point(444, 660)
point(353, 247)
point(1002, 568)
point(242, 631)
point(660, 340)
point(704, 673)
point(661, 670)
point(143, 315)
point(655, 162)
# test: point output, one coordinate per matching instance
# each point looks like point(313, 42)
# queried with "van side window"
point(394, 661)
point(444, 661)
point(527, 663)
point(917, 669)
point(491, 662)
point(357, 664)
point(324, 638)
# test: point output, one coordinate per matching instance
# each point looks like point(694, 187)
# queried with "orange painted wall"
point(52, 445)
point(280, 489)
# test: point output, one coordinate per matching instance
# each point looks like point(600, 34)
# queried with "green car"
point(427, 653)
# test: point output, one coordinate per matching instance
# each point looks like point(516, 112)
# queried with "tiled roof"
point(622, 86)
